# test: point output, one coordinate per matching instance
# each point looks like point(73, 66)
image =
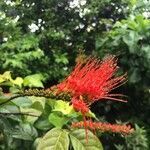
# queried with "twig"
point(28, 114)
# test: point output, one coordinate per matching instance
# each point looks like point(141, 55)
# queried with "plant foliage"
point(39, 42)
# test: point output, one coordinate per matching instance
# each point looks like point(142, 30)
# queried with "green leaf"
point(55, 139)
point(91, 114)
point(33, 80)
point(10, 109)
point(138, 139)
point(51, 102)
point(79, 142)
point(57, 120)
point(3, 98)
point(43, 124)
point(131, 40)
point(22, 101)
point(18, 81)
point(38, 102)
point(5, 76)
point(25, 132)
point(63, 107)
point(32, 114)
point(6, 129)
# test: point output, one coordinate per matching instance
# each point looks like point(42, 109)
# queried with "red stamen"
point(94, 80)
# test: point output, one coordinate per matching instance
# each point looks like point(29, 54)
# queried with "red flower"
point(104, 127)
point(80, 105)
point(94, 80)
point(90, 82)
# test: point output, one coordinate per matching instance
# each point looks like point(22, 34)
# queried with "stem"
point(39, 93)
point(28, 114)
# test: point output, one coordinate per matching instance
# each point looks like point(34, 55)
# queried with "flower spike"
point(104, 127)
point(94, 80)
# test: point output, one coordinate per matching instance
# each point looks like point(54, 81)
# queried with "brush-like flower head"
point(94, 80)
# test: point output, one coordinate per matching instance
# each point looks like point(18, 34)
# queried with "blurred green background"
point(46, 36)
